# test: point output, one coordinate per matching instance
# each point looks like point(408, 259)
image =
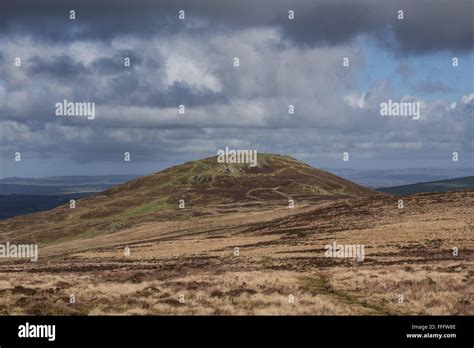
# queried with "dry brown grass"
point(408, 252)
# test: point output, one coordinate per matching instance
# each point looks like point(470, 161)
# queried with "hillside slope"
point(282, 251)
point(206, 187)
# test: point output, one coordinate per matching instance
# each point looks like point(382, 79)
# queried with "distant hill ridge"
point(432, 186)
point(59, 185)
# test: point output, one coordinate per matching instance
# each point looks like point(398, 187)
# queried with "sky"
point(190, 62)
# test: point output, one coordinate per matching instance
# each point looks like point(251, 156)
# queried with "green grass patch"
point(146, 209)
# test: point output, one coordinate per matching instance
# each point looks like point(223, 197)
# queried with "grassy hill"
point(282, 251)
point(206, 187)
point(433, 186)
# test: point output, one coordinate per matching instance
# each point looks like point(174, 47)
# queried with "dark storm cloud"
point(332, 22)
point(123, 91)
point(427, 25)
point(95, 20)
point(124, 87)
point(433, 25)
point(60, 67)
point(66, 67)
point(108, 66)
point(115, 65)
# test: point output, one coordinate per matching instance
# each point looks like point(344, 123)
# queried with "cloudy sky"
point(191, 62)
